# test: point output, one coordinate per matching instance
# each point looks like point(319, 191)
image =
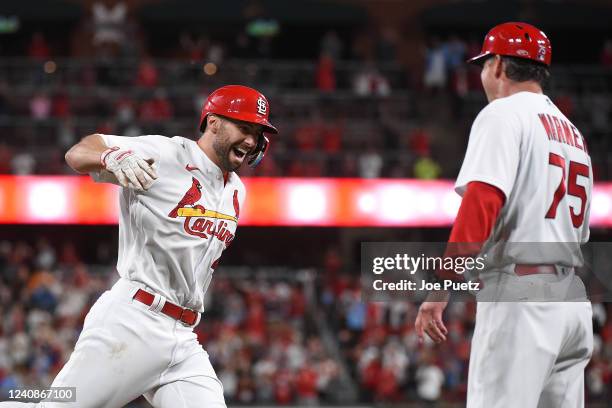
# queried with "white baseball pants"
point(530, 355)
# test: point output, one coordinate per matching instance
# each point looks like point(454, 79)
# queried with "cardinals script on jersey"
point(189, 215)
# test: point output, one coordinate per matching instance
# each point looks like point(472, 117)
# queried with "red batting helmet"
point(240, 103)
point(245, 104)
point(515, 39)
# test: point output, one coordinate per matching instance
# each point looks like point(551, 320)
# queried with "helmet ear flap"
point(260, 151)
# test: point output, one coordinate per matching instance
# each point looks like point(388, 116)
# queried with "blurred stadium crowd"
point(276, 337)
point(353, 110)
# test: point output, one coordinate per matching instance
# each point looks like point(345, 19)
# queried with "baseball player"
point(526, 178)
point(179, 207)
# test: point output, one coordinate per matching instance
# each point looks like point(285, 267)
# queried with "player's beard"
point(222, 147)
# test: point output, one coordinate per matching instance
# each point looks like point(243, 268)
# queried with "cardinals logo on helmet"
point(262, 106)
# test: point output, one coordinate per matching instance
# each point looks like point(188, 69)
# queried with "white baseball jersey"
point(524, 339)
point(523, 145)
point(171, 237)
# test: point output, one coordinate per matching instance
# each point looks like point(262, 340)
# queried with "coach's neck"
point(509, 87)
point(527, 86)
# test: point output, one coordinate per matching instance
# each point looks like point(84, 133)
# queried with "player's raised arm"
point(84, 157)
point(92, 154)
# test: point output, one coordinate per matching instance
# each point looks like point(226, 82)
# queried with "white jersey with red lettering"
point(171, 237)
point(528, 337)
point(525, 146)
point(170, 240)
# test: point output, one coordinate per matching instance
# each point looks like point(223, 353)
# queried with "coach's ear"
point(498, 66)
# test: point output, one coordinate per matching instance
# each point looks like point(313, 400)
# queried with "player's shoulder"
point(170, 149)
point(161, 142)
point(184, 144)
point(171, 146)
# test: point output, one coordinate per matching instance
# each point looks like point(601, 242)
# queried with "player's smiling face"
point(234, 141)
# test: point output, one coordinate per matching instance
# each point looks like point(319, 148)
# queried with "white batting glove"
point(130, 169)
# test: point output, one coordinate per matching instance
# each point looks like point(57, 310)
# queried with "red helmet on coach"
point(516, 39)
point(245, 104)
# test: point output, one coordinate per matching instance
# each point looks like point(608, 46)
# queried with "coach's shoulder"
point(502, 109)
point(498, 106)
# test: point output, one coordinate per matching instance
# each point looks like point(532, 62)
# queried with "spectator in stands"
point(370, 162)
point(454, 50)
point(332, 135)
point(156, 109)
point(349, 166)
point(430, 379)
point(332, 46)
point(264, 371)
point(426, 168)
point(6, 157)
point(565, 103)
point(193, 47)
point(42, 290)
point(473, 73)
point(106, 127)
point(148, 75)
point(199, 99)
point(216, 53)
point(436, 70)
point(419, 141)
point(370, 82)
point(23, 164)
point(606, 54)
point(38, 47)
point(40, 106)
point(283, 387)
point(307, 135)
point(599, 108)
point(60, 105)
point(125, 110)
point(460, 81)
point(325, 74)
point(306, 386)
point(109, 18)
point(386, 45)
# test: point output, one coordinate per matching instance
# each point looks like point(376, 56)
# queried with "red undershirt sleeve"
point(474, 223)
point(478, 213)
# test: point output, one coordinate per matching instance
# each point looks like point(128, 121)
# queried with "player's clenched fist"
point(130, 169)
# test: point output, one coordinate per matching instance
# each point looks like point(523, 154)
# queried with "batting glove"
point(130, 169)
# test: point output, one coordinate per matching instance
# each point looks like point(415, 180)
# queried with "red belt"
point(522, 270)
point(186, 316)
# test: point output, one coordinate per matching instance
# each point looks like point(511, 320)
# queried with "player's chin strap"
point(260, 151)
